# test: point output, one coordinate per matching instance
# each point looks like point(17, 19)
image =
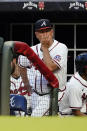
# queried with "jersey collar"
point(80, 79)
point(53, 45)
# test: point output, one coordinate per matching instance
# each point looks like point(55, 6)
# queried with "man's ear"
point(36, 33)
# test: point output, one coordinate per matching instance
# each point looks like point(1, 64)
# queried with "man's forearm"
point(23, 72)
point(78, 113)
point(48, 60)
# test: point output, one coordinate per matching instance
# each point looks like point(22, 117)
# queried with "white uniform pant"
point(40, 105)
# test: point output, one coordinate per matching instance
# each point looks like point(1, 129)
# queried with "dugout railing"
point(5, 78)
point(1, 46)
point(8, 52)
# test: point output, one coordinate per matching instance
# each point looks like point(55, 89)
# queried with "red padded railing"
point(24, 49)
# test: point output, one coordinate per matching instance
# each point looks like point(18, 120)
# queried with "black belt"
point(40, 94)
point(64, 114)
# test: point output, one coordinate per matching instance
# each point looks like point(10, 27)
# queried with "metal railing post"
point(54, 101)
point(1, 46)
point(5, 77)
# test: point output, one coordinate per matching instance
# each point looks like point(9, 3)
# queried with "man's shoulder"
point(60, 44)
point(73, 83)
point(63, 45)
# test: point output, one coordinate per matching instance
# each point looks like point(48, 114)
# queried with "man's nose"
point(44, 34)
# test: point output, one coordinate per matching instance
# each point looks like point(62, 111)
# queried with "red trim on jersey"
point(80, 81)
point(13, 84)
point(54, 46)
point(57, 63)
point(61, 97)
point(53, 59)
point(20, 91)
point(45, 113)
point(63, 89)
point(37, 50)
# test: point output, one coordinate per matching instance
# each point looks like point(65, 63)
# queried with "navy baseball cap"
point(42, 24)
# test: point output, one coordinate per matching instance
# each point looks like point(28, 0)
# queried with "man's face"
point(15, 70)
point(44, 34)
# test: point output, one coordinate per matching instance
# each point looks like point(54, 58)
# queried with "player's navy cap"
point(42, 24)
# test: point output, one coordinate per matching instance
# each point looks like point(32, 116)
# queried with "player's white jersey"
point(17, 87)
point(75, 95)
point(15, 84)
point(58, 52)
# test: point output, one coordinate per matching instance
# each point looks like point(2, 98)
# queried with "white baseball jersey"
point(75, 95)
point(58, 53)
point(17, 87)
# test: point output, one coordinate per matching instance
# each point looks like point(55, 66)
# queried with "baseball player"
point(54, 55)
point(17, 85)
point(74, 99)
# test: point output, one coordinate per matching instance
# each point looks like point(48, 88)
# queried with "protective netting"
point(38, 98)
point(40, 92)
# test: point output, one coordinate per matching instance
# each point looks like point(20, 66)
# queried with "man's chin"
point(16, 77)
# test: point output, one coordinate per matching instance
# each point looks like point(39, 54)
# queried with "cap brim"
point(43, 28)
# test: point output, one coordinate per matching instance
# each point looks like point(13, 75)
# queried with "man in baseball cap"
point(42, 24)
point(54, 55)
point(44, 32)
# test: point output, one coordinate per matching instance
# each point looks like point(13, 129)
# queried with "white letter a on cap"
point(43, 24)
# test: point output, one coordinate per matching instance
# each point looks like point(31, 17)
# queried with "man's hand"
point(45, 41)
